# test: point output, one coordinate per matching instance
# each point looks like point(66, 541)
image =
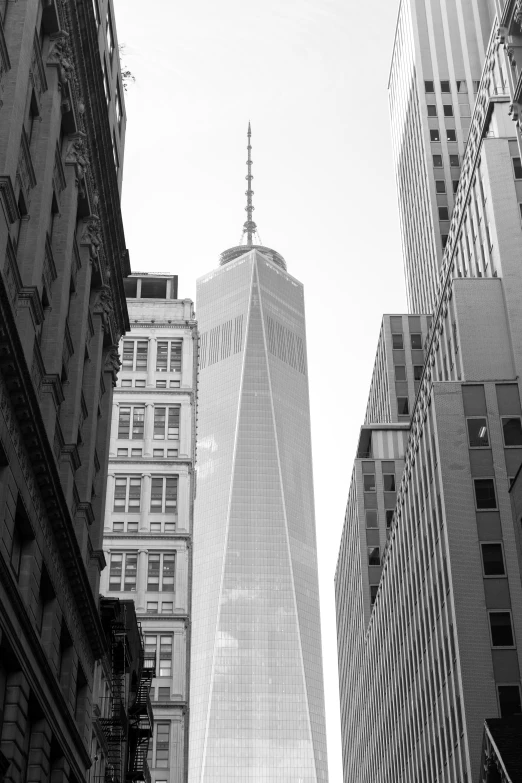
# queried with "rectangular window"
point(374, 555)
point(166, 418)
point(106, 83)
point(437, 161)
point(160, 573)
point(152, 607)
point(161, 384)
point(493, 560)
point(501, 630)
point(416, 341)
point(455, 185)
point(509, 700)
point(478, 432)
point(389, 482)
point(115, 153)
point(397, 341)
point(117, 527)
point(369, 482)
point(169, 356)
point(428, 87)
point(417, 371)
point(485, 496)
point(165, 660)
point(445, 86)
point(443, 213)
point(164, 495)
point(127, 494)
point(158, 453)
point(517, 168)
point(137, 413)
point(389, 517)
point(123, 452)
point(139, 384)
point(162, 744)
point(451, 134)
point(135, 354)
point(123, 572)
point(136, 452)
point(454, 161)
point(371, 519)
point(403, 406)
point(163, 695)
point(512, 431)
point(440, 186)
point(400, 372)
point(167, 607)
point(448, 110)
point(126, 383)
point(373, 593)
point(432, 110)
point(118, 106)
point(434, 134)
point(109, 32)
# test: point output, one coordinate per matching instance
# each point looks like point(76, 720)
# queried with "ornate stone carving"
point(91, 235)
point(60, 56)
point(112, 363)
point(77, 155)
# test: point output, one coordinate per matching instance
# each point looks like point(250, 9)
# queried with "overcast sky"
point(311, 76)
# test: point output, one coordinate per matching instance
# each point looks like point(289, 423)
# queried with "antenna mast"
point(249, 228)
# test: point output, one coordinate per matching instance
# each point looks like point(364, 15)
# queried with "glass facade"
point(257, 709)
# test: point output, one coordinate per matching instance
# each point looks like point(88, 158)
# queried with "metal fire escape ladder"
point(141, 721)
point(116, 725)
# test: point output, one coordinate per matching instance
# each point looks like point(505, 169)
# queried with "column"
point(111, 482)
point(15, 726)
point(181, 577)
point(149, 429)
point(187, 361)
point(179, 669)
point(114, 428)
point(151, 363)
point(141, 586)
point(145, 501)
point(38, 760)
point(185, 427)
point(183, 501)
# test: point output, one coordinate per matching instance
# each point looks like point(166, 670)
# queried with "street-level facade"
point(150, 495)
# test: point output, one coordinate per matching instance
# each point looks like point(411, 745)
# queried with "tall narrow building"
point(437, 60)
point(256, 706)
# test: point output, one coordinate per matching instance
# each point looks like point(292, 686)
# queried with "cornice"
point(148, 461)
point(145, 391)
point(188, 325)
point(145, 536)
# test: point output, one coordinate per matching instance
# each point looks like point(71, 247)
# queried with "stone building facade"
point(62, 312)
point(150, 496)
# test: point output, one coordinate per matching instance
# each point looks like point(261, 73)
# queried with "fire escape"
point(116, 725)
point(141, 722)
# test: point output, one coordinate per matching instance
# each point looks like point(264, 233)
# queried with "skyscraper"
point(439, 650)
point(436, 66)
point(256, 705)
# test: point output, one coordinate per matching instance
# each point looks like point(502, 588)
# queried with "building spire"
point(249, 227)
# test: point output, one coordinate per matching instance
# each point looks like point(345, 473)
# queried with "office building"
point(256, 706)
point(148, 519)
point(446, 613)
point(62, 312)
point(437, 60)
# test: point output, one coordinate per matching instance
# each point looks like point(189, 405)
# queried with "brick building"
point(62, 313)
point(150, 496)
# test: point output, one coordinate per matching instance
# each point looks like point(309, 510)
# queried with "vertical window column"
point(109, 505)
point(141, 587)
point(149, 429)
point(151, 367)
point(185, 430)
point(187, 360)
point(114, 428)
point(145, 504)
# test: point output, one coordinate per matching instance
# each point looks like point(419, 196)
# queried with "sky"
point(311, 76)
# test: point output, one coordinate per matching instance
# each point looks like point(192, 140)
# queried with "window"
point(444, 239)
point(397, 341)
point(160, 574)
point(165, 654)
point(96, 10)
point(369, 482)
point(158, 453)
point(106, 82)
point(118, 106)
point(416, 341)
point(432, 110)
point(123, 452)
point(169, 418)
point(400, 372)
point(162, 744)
point(443, 213)
point(455, 185)
point(117, 527)
point(509, 700)
point(512, 431)
point(152, 607)
point(403, 406)
point(172, 453)
point(174, 384)
point(136, 414)
point(440, 186)
point(139, 384)
point(22, 535)
point(373, 593)
point(389, 517)
point(451, 134)
point(374, 555)
point(485, 496)
point(493, 560)
point(115, 153)
point(161, 384)
point(153, 288)
point(428, 87)
point(434, 134)
point(501, 631)
point(127, 494)
point(109, 32)
point(517, 168)
point(167, 607)
point(445, 86)
point(478, 432)
point(123, 571)
point(417, 371)
point(454, 160)
point(136, 452)
point(389, 482)
point(169, 356)
point(135, 354)
point(371, 519)
point(437, 161)
point(448, 110)
point(164, 495)
point(163, 695)
point(126, 383)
